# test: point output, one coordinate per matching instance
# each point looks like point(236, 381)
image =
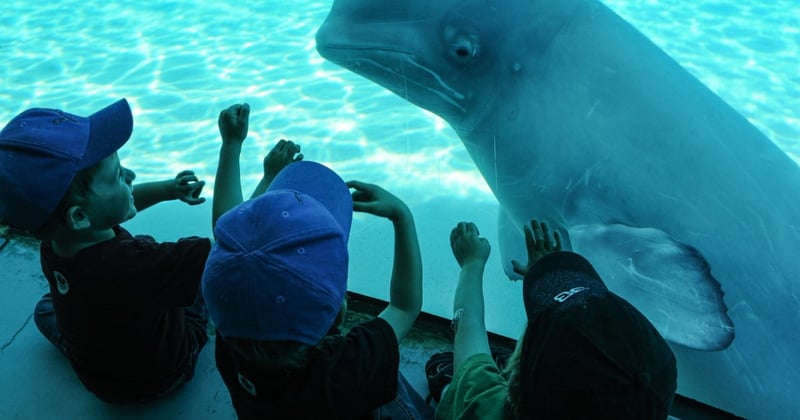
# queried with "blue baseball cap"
point(278, 268)
point(42, 149)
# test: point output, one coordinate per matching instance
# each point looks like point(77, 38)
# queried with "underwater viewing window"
point(179, 63)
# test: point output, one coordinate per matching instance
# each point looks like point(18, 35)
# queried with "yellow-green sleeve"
point(477, 391)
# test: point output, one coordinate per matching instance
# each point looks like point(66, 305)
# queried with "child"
point(125, 310)
point(586, 352)
point(275, 286)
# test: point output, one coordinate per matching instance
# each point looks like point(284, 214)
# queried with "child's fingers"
point(198, 189)
point(363, 191)
point(184, 173)
point(358, 185)
point(546, 235)
point(186, 179)
point(195, 201)
point(244, 112)
point(472, 228)
point(538, 236)
point(529, 242)
point(462, 228)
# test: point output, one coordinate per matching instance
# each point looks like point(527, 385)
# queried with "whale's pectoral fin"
point(668, 281)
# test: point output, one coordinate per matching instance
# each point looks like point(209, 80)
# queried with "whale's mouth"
point(398, 71)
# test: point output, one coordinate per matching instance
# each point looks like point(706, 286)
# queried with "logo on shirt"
point(61, 283)
point(561, 297)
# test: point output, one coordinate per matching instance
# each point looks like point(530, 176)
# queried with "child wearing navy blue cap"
point(124, 309)
point(275, 285)
point(116, 302)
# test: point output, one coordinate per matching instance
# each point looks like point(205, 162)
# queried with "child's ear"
point(77, 219)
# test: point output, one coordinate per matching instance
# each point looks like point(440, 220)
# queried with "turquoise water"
point(180, 62)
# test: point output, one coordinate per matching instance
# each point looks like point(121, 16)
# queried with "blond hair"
point(513, 381)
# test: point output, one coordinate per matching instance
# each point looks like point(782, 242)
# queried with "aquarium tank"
point(488, 137)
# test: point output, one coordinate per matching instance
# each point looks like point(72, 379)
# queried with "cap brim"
point(323, 184)
point(109, 129)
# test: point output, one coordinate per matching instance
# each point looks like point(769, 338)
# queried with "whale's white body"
point(575, 117)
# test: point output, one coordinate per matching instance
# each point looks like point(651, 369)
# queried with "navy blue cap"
point(42, 149)
point(278, 268)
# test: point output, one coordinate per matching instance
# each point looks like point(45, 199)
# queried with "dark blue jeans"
point(406, 405)
point(45, 318)
point(196, 319)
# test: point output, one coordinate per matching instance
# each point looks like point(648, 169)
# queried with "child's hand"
point(233, 123)
point(282, 154)
point(539, 244)
point(188, 188)
point(467, 245)
point(370, 198)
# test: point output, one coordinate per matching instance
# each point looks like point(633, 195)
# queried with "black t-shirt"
point(118, 305)
point(346, 379)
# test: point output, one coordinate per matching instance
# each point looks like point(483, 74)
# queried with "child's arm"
point(471, 252)
point(185, 187)
point(405, 294)
point(233, 124)
point(284, 153)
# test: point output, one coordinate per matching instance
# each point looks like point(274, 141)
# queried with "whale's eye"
point(463, 46)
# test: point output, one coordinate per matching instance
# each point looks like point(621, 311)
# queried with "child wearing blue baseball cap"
point(124, 309)
point(275, 284)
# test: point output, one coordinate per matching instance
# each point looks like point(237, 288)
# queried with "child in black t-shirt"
point(124, 309)
point(119, 307)
point(275, 285)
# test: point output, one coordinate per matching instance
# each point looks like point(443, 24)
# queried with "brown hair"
point(283, 358)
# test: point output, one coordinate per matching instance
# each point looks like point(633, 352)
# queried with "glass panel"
point(180, 62)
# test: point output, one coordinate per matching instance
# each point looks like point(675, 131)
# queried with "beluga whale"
point(575, 117)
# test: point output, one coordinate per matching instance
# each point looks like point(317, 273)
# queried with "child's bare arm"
point(233, 125)
point(405, 294)
point(282, 154)
point(185, 187)
point(471, 252)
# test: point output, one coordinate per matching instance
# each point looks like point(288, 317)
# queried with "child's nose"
point(129, 175)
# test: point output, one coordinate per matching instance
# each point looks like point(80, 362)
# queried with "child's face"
point(110, 199)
